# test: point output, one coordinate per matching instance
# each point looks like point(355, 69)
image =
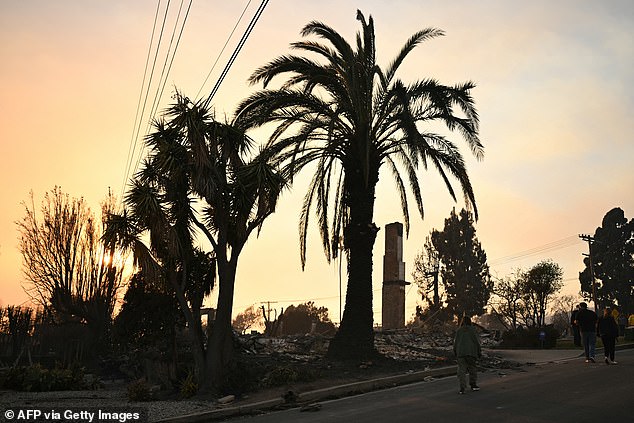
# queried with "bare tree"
point(523, 297)
point(426, 275)
point(561, 311)
point(250, 317)
point(507, 304)
point(64, 260)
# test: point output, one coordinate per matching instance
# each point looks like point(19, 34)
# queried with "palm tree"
point(198, 181)
point(348, 117)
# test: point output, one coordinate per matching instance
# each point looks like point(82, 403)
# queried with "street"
point(570, 391)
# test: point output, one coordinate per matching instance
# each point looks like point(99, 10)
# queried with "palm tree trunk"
point(193, 323)
point(355, 337)
point(220, 347)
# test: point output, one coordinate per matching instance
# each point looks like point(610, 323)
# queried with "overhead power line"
point(135, 152)
point(131, 150)
point(166, 69)
point(164, 72)
point(223, 48)
point(235, 53)
point(552, 246)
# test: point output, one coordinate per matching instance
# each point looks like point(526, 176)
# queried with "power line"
point(162, 82)
point(159, 94)
point(132, 147)
point(552, 246)
point(165, 71)
point(132, 153)
point(223, 48)
point(241, 43)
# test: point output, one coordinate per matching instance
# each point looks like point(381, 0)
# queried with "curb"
point(317, 395)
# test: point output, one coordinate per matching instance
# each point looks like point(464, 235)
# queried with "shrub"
point(37, 378)
point(139, 390)
point(530, 338)
point(289, 374)
point(188, 386)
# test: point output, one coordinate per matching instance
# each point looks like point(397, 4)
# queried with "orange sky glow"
point(554, 95)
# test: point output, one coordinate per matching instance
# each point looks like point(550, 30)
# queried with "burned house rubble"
point(405, 347)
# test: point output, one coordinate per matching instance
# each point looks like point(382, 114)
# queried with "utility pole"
point(590, 239)
point(268, 309)
point(434, 273)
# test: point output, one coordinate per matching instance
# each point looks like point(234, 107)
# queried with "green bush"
point(139, 390)
point(188, 386)
point(530, 338)
point(284, 375)
point(37, 378)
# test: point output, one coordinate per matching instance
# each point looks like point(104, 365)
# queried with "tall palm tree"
point(349, 117)
point(201, 178)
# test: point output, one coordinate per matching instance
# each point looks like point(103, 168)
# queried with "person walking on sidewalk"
point(587, 321)
point(467, 349)
point(608, 330)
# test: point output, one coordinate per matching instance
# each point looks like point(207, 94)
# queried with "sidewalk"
point(548, 355)
point(536, 356)
point(307, 398)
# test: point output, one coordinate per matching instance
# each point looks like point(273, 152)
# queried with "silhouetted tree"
point(507, 302)
point(613, 262)
point(426, 275)
point(349, 117)
point(247, 319)
point(201, 178)
point(66, 263)
point(306, 318)
point(522, 299)
point(148, 316)
point(540, 283)
point(463, 265)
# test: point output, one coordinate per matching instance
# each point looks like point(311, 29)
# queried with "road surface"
point(570, 391)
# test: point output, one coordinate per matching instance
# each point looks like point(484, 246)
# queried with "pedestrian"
point(467, 349)
point(608, 331)
point(587, 322)
point(575, 327)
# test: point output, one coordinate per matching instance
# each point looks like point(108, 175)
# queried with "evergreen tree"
point(464, 270)
point(612, 261)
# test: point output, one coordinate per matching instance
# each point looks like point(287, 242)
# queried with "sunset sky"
point(554, 93)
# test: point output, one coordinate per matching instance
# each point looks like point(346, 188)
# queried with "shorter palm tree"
point(201, 179)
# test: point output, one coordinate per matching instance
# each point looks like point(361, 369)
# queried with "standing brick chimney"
point(393, 278)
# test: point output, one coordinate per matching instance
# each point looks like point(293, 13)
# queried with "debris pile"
point(424, 348)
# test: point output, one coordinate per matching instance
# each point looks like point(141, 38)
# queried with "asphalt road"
point(570, 391)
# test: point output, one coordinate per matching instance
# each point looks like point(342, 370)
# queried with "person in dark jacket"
point(608, 330)
point(467, 349)
point(587, 322)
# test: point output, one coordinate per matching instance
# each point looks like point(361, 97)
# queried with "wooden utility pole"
point(590, 239)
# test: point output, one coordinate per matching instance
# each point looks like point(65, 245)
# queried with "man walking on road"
point(467, 349)
point(587, 322)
